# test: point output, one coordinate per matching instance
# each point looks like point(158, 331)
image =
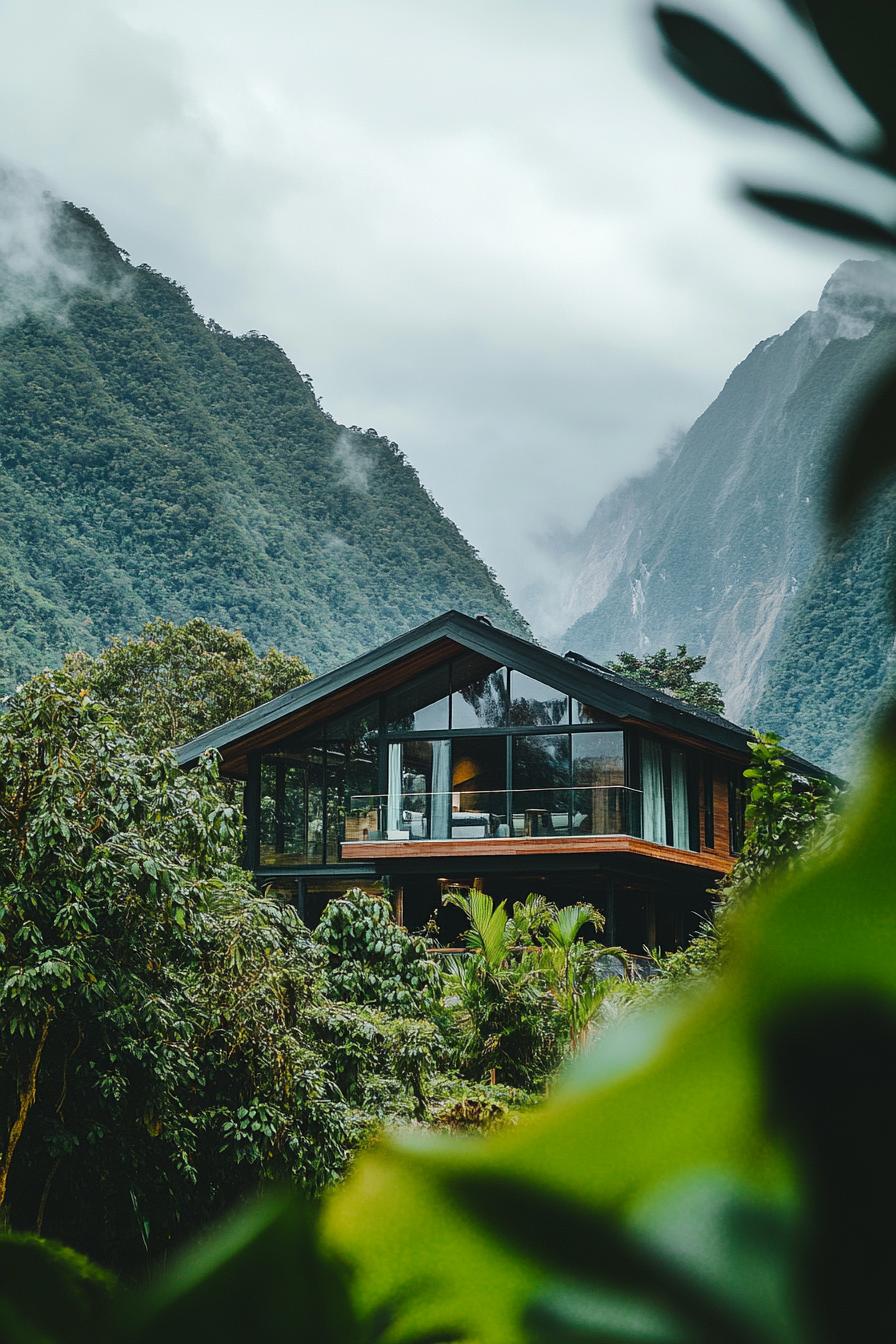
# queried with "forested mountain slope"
point(721, 546)
point(154, 464)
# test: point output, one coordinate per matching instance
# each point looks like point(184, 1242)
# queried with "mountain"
point(152, 463)
point(721, 546)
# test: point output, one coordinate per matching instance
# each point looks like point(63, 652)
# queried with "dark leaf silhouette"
point(721, 68)
point(825, 216)
point(860, 38)
point(867, 452)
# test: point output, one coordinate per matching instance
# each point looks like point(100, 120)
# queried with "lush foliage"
point(687, 1181)
point(170, 1038)
point(372, 960)
point(675, 673)
point(162, 1027)
point(156, 465)
point(527, 994)
point(169, 683)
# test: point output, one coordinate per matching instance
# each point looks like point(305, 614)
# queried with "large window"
point(668, 795)
point(532, 704)
point(599, 801)
point(479, 787)
point(541, 784)
point(479, 698)
point(352, 778)
point(418, 803)
point(291, 822)
point(421, 706)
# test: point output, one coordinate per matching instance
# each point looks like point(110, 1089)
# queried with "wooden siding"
point(523, 846)
point(721, 770)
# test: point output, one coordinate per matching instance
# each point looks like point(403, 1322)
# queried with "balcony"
point(501, 814)
point(506, 822)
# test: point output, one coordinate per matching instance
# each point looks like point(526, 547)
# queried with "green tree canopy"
point(162, 1026)
point(172, 682)
point(675, 673)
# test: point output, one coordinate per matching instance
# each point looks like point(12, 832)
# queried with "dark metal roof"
point(587, 681)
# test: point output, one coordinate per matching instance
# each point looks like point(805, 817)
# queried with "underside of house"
point(459, 754)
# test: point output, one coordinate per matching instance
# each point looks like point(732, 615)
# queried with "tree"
point(163, 1028)
point(171, 682)
point(674, 673)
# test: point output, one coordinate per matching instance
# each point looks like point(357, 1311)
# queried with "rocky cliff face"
point(721, 544)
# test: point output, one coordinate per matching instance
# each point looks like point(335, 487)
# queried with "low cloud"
point(353, 464)
point(43, 266)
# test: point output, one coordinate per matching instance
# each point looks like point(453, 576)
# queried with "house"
point(460, 753)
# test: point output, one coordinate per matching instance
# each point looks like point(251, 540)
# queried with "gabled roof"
point(443, 637)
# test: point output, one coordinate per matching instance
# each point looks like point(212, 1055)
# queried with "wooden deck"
point(523, 846)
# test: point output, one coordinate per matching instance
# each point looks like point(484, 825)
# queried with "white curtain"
point(441, 790)
point(393, 801)
point(681, 825)
point(653, 806)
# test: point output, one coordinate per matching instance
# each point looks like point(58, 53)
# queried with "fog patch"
point(47, 255)
point(352, 463)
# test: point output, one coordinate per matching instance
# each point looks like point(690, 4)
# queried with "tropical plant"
point(783, 811)
point(580, 974)
point(529, 988)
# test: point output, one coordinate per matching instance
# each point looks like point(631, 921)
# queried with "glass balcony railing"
point(493, 814)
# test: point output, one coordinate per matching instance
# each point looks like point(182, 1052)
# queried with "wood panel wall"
point(721, 771)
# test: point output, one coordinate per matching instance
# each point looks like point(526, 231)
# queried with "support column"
point(651, 921)
point(610, 928)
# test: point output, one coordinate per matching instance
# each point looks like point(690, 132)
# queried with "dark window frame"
point(736, 809)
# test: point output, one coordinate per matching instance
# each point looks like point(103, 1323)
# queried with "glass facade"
point(421, 706)
point(469, 750)
point(479, 693)
point(532, 704)
point(291, 813)
point(352, 772)
point(599, 800)
point(541, 784)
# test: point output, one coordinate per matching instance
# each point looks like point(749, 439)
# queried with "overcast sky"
point(497, 232)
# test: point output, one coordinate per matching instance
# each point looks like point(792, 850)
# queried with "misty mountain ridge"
point(154, 464)
point(721, 545)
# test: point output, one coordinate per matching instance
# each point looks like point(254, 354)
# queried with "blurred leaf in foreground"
point(552, 1218)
